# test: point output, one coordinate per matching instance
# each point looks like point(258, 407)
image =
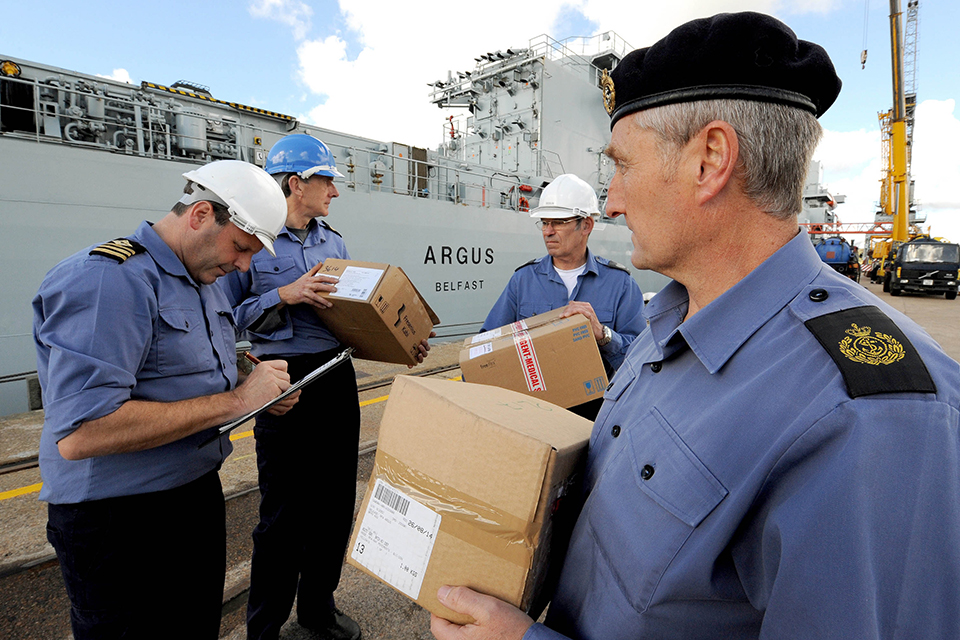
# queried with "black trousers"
point(144, 566)
point(307, 461)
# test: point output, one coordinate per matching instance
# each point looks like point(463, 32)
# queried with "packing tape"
point(464, 517)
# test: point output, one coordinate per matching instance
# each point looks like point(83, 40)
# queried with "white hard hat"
point(252, 196)
point(567, 196)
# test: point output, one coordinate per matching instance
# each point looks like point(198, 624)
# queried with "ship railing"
point(580, 49)
point(83, 113)
point(435, 178)
point(88, 114)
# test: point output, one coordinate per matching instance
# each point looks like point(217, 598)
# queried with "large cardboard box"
point(552, 358)
point(377, 311)
point(470, 486)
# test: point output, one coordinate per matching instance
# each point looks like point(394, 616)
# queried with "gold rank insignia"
point(609, 92)
point(119, 249)
point(861, 346)
point(871, 351)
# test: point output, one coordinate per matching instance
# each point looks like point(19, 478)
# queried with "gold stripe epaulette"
point(326, 225)
point(119, 249)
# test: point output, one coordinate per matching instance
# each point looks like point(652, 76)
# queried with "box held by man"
point(472, 485)
point(545, 356)
point(377, 311)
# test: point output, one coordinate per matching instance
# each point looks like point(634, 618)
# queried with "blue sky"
point(363, 67)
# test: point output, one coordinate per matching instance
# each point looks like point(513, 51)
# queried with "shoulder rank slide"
point(119, 249)
point(327, 226)
point(527, 264)
point(617, 265)
point(872, 353)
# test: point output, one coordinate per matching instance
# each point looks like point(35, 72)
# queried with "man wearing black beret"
point(777, 457)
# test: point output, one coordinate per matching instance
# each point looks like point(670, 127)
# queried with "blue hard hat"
point(303, 155)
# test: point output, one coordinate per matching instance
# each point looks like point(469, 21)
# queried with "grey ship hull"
point(456, 232)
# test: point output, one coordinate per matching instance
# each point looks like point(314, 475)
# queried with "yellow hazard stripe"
point(235, 105)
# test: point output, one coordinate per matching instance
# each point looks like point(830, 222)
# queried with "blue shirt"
point(735, 490)
point(108, 332)
point(614, 295)
point(256, 292)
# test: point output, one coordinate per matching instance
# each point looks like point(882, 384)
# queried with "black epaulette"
point(871, 352)
point(327, 226)
point(617, 265)
point(119, 249)
point(527, 264)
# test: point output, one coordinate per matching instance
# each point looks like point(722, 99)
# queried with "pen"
point(252, 358)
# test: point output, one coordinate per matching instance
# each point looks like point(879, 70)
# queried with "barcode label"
point(394, 538)
point(392, 499)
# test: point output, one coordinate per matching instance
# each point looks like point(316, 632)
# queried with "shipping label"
point(486, 335)
point(396, 538)
point(357, 283)
point(528, 361)
point(480, 350)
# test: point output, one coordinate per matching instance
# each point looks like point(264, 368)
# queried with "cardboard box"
point(545, 356)
point(377, 311)
point(470, 487)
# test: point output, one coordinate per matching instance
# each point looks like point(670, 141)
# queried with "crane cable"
point(863, 54)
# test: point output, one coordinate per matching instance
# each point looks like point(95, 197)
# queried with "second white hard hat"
point(567, 196)
point(252, 196)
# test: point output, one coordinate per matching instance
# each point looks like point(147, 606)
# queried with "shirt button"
point(647, 472)
point(615, 431)
point(276, 268)
point(819, 295)
point(656, 366)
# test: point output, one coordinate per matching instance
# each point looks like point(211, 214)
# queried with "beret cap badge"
point(609, 92)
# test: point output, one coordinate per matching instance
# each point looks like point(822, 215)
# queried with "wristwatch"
point(607, 337)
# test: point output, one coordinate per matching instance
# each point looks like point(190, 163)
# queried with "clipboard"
point(225, 428)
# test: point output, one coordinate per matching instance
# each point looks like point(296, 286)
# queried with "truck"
point(841, 255)
point(925, 265)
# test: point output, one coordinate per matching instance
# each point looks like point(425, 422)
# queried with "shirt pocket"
point(182, 343)
point(529, 308)
point(646, 505)
point(229, 331)
point(604, 315)
point(273, 273)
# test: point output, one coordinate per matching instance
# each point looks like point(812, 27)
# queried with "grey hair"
point(776, 145)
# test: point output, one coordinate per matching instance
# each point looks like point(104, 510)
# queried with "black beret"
point(744, 56)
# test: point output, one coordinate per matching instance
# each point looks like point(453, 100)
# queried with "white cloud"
point(383, 92)
point(118, 74)
point(293, 13)
point(936, 165)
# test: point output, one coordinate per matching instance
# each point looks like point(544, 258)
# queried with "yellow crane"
point(896, 127)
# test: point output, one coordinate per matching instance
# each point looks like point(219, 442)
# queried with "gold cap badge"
point(609, 92)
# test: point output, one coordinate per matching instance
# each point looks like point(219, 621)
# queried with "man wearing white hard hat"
point(571, 276)
point(136, 357)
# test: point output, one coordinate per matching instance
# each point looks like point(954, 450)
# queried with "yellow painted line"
point(374, 401)
point(22, 491)
point(241, 435)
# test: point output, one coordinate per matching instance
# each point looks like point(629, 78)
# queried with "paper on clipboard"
point(307, 379)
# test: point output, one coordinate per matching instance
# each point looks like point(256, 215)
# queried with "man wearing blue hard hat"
point(777, 456)
point(298, 546)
